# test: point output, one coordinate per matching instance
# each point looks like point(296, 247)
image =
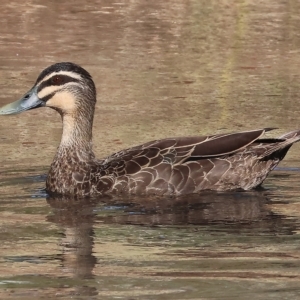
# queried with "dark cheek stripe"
point(46, 98)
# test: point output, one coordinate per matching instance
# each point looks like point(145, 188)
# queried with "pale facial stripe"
point(67, 73)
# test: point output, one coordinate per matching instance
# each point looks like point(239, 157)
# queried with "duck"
point(165, 167)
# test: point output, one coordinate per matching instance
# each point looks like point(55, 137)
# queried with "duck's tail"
point(292, 136)
point(279, 149)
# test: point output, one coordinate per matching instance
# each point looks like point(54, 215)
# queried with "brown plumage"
point(171, 166)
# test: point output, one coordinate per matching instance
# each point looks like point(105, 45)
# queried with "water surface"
point(162, 68)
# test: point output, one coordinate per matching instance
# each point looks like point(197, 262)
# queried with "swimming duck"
point(171, 166)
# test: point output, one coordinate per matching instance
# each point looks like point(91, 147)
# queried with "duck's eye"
point(57, 80)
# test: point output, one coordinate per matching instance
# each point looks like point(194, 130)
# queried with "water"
point(162, 68)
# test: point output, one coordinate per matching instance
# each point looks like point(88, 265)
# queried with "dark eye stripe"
point(65, 79)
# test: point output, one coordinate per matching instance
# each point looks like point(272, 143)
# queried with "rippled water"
point(162, 68)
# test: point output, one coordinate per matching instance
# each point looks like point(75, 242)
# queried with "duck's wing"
point(178, 150)
point(190, 164)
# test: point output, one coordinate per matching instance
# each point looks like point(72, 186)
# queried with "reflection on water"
point(232, 216)
point(183, 248)
point(237, 212)
point(162, 68)
point(76, 220)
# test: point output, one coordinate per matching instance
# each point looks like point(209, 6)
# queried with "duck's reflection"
point(206, 208)
point(239, 212)
point(76, 218)
point(235, 212)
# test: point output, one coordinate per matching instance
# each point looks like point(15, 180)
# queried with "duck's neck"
point(77, 135)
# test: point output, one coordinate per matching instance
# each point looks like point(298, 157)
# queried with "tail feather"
point(280, 149)
point(291, 135)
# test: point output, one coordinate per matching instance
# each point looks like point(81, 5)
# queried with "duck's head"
point(65, 87)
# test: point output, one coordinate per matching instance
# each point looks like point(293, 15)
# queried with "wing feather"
point(176, 151)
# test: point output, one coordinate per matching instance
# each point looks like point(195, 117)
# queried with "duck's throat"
point(77, 133)
point(74, 156)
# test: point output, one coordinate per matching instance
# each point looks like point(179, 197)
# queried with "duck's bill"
point(29, 101)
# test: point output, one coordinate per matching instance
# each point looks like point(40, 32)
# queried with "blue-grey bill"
point(29, 101)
